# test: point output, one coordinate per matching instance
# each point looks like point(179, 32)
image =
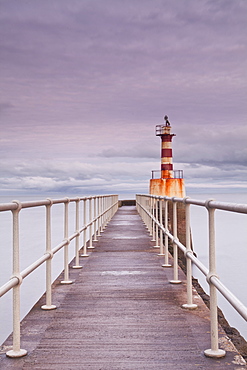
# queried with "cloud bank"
point(85, 82)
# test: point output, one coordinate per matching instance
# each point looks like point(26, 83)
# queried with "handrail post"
point(189, 305)
point(16, 351)
point(90, 225)
point(161, 232)
point(214, 351)
point(150, 221)
point(77, 240)
point(99, 215)
point(153, 200)
point(140, 200)
point(106, 212)
point(156, 228)
point(85, 228)
point(102, 215)
point(48, 305)
point(95, 219)
point(117, 204)
point(175, 247)
point(66, 247)
point(166, 264)
point(145, 202)
point(110, 210)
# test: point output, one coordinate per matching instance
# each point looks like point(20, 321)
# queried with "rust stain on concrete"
point(167, 187)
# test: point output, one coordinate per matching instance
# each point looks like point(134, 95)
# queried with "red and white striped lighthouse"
point(171, 182)
point(164, 131)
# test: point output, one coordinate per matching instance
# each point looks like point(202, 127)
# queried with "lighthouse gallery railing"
point(97, 211)
point(150, 208)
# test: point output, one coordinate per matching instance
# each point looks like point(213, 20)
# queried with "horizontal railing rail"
point(98, 209)
point(150, 209)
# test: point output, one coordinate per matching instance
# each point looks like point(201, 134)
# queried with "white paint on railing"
point(102, 214)
point(174, 245)
point(101, 209)
point(145, 206)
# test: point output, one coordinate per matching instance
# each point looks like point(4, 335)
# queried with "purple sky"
point(84, 82)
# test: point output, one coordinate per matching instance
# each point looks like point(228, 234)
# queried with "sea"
point(231, 252)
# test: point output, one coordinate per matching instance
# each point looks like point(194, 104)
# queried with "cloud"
point(85, 83)
point(104, 175)
point(223, 146)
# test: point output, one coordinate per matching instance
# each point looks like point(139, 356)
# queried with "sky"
point(84, 83)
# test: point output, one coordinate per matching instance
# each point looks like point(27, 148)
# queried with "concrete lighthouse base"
point(167, 187)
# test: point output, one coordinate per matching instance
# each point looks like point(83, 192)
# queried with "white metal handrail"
point(146, 206)
point(100, 212)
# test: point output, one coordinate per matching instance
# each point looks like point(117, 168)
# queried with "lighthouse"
point(170, 182)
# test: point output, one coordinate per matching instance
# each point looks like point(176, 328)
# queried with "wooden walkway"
point(120, 313)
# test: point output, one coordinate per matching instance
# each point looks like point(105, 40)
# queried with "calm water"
point(231, 243)
point(231, 251)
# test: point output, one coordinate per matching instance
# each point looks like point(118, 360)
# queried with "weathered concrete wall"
point(167, 187)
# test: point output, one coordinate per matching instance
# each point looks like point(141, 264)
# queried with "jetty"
point(120, 310)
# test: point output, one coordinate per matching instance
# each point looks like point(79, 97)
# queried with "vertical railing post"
point(140, 210)
point(85, 228)
point(104, 207)
point(139, 201)
point(48, 305)
point(107, 205)
point(113, 206)
point(102, 214)
point(95, 219)
point(150, 221)
point(114, 209)
point(107, 212)
point(175, 247)
point(77, 239)
point(117, 204)
point(156, 228)
point(16, 351)
point(189, 305)
point(214, 351)
point(66, 247)
point(99, 215)
point(166, 264)
point(153, 200)
point(90, 224)
point(161, 232)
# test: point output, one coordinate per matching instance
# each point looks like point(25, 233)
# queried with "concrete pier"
point(120, 313)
